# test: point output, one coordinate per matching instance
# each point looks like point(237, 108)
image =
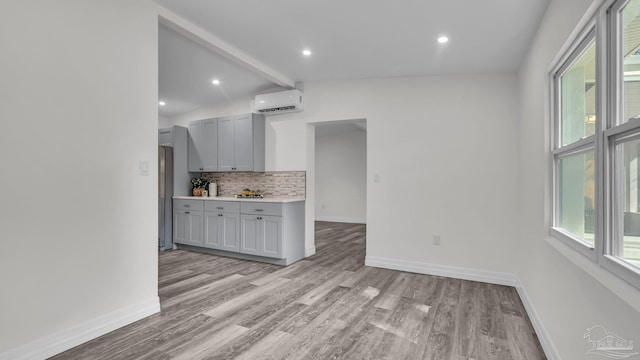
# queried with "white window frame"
point(606, 30)
point(586, 144)
point(614, 100)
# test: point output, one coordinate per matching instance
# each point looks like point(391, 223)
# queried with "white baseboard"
point(491, 277)
point(545, 341)
point(66, 339)
point(342, 219)
point(485, 276)
point(310, 251)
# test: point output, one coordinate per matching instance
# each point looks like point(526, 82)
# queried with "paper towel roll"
point(213, 189)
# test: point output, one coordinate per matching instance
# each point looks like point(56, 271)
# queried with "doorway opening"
point(339, 183)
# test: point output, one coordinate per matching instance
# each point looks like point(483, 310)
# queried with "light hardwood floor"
point(328, 306)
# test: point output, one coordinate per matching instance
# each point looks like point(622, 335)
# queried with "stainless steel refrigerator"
point(165, 197)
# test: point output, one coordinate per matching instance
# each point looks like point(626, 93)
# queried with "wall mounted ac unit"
point(279, 102)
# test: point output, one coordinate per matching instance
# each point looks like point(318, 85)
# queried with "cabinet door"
point(187, 227)
point(271, 239)
point(209, 145)
point(195, 225)
point(165, 137)
point(229, 232)
point(212, 229)
point(249, 234)
point(243, 139)
point(226, 141)
point(195, 140)
point(180, 226)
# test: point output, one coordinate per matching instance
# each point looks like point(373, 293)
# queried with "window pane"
point(577, 195)
point(631, 58)
point(627, 183)
point(578, 97)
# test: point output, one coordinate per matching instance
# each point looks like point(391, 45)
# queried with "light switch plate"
point(144, 168)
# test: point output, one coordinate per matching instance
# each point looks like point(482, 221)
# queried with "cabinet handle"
point(219, 214)
point(187, 206)
point(186, 212)
point(259, 210)
point(220, 208)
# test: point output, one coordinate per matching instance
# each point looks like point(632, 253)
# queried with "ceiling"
point(185, 72)
point(354, 39)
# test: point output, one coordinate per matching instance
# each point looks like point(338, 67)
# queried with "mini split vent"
point(278, 109)
point(279, 102)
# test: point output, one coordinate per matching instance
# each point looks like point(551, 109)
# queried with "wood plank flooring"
point(328, 306)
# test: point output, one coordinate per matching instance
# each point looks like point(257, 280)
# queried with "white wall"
point(448, 140)
point(163, 122)
point(78, 103)
point(567, 298)
point(236, 106)
point(445, 141)
point(341, 173)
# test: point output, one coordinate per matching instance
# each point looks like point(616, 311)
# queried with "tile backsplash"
point(282, 184)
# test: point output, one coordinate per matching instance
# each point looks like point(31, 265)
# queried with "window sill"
point(575, 243)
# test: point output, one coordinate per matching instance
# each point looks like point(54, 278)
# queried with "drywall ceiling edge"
point(219, 46)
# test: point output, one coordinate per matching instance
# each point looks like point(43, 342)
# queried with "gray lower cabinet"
point(203, 145)
point(249, 234)
point(261, 231)
point(261, 235)
point(188, 217)
point(241, 141)
point(271, 236)
point(265, 231)
point(222, 231)
point(187, 227)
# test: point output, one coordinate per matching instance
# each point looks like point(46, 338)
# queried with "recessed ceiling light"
point(162, 103)
point(443, 39)
point(306, 52)
point(215, 82)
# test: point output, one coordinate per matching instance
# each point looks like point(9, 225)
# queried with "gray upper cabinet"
point(241, 143)
point(244, 143)
point(195, 138)
point(165, 137)
point(177, 137)
point(203, 145)
point(226, 143)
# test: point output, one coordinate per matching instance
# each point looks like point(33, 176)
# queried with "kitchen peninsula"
point(268, 230)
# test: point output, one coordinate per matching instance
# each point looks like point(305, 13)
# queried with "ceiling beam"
point(221, 47)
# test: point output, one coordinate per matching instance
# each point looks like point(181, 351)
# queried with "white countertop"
point(231, 198)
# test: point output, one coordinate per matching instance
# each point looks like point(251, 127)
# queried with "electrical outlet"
point(436, 239)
